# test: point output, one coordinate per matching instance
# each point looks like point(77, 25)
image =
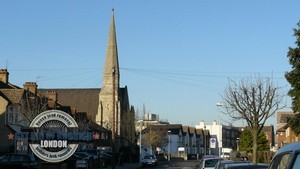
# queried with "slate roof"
point(13, 95)
point(192, 131)
point(268, 128)
point(8, 86)
point(284, 117)
point(174, 128)
point(81, 99)
point(198, 132)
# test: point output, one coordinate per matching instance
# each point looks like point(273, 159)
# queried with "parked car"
point(221, 163)
point(77, 162)
point(287, 157)
point(18, 161)
point(97, 157)
point(209, 162)
point(149, 160)
point(88, 157)
point(245, 166)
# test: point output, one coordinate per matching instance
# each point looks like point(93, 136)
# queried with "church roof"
point(82, 99)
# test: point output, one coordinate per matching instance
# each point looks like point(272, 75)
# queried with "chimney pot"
point(4, 76)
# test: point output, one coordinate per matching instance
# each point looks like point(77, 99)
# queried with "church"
point(107, 106)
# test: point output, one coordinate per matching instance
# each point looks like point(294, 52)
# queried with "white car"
point(149, 160)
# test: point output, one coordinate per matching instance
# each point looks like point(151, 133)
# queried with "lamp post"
point(237, 143)
point(220, 130)
point(140, 122)
point(204, 140)
point(169, 145)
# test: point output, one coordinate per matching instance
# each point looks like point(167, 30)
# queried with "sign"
point(181, 149)
point(212, 143)
point(53, 143)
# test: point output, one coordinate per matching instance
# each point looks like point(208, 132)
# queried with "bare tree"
point(155, 136)
point(254, 100)
point(32, 104)
point(129, 125)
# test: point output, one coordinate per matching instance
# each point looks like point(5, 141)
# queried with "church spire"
point(111, 62)
point(108, 114)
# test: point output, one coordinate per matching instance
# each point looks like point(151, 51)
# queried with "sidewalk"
point(126, 166)
point(129, 166)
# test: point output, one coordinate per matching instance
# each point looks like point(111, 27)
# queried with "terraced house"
point(19, 106)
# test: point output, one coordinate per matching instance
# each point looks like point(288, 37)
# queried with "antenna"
point(37, 78)
point(6, 65)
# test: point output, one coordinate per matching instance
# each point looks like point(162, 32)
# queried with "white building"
point(223, 138)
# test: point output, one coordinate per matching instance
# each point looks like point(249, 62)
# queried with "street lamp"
point(140, 122)
point(169, 145)
point(204, 140)
point(237, 143)
point(220, 130)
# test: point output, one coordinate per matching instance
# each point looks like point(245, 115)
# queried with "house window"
point(10, 117)
point(15, 116)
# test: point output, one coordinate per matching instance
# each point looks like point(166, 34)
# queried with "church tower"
point(108, 114)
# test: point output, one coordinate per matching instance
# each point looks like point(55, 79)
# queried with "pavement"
point(129, 166)
point(125, 166)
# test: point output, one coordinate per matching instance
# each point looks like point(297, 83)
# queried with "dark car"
point(105, 157)
point(96, 155)
point(77, 162)
point(149, 160)
point(221, 163)
point(287, 157)
point(18, 161)
point(245, 166)
point(86, 156)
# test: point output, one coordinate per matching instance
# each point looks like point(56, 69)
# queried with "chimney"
point(52, 96)
point(4, 76)
point(31, 86)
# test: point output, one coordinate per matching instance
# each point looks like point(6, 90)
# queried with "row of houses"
point(19, 105)
point(185, 141)
point(175, 139)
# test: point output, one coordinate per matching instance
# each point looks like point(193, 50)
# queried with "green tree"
point(253, 100)
point(293, 77)
point(246, 141)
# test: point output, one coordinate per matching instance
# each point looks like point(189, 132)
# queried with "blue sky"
point(175, 56)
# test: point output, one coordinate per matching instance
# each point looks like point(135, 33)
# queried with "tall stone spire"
point(111, 62)
point(108, 114)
